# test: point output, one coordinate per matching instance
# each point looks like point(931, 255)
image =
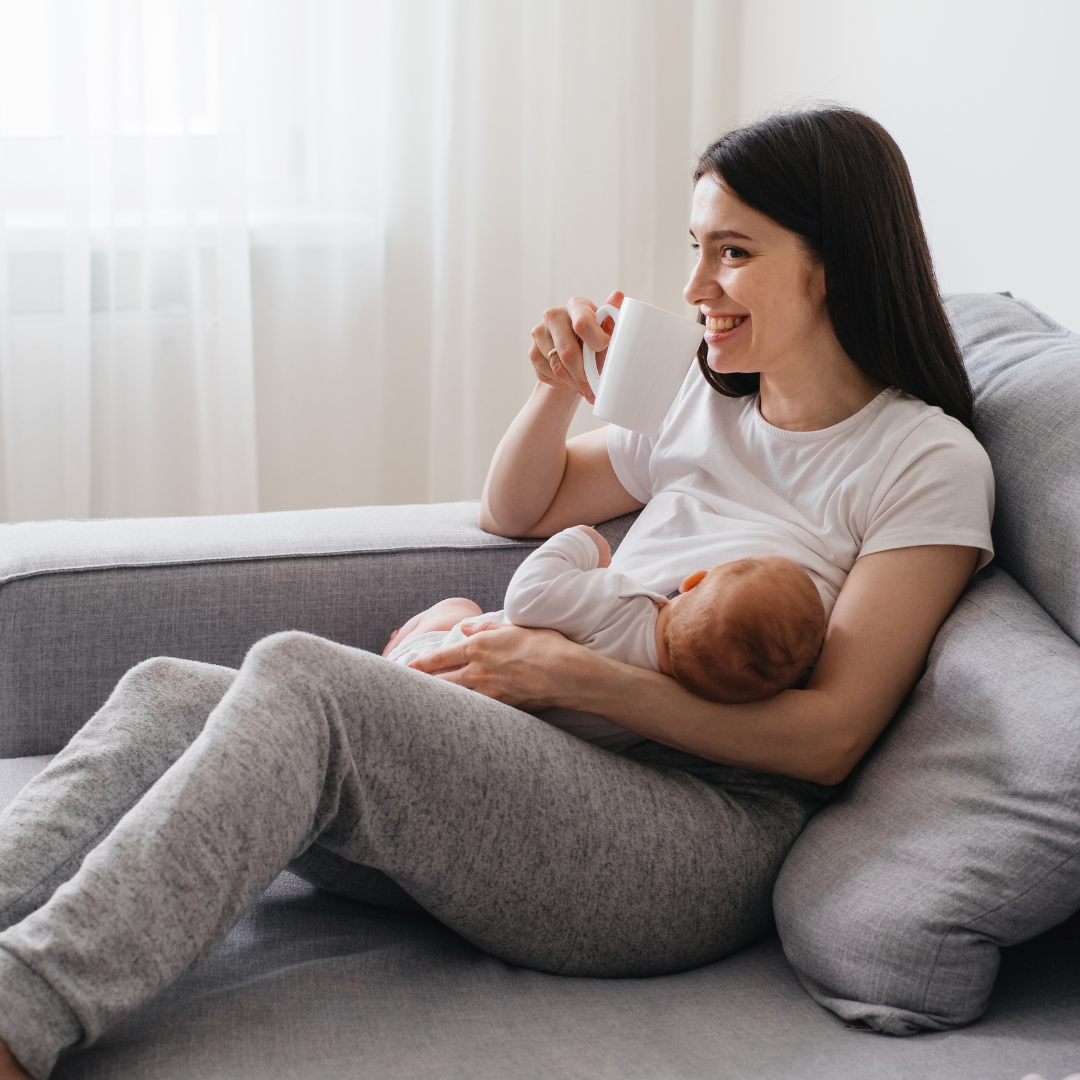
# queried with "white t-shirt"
point(721, 483)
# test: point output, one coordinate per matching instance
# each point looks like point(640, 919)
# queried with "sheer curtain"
point(261, 254)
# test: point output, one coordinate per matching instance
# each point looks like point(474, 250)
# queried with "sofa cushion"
point(1025, 371)
point(958, 834)
point(83, 601)
point(309, 987)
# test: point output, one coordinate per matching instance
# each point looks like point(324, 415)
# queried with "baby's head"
point(745, 630)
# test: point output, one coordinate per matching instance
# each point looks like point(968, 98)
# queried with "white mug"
point(647, 359)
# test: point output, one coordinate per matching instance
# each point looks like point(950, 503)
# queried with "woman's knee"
point(174, 678)
point(293, 669)
point(292, 652)
point(163, 702)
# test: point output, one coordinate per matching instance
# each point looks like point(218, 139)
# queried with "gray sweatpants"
point(137, 849)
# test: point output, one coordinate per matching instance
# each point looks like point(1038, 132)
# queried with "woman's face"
point(762, 295)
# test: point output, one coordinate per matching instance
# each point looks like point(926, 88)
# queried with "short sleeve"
point(630, 455)
point(937, 488)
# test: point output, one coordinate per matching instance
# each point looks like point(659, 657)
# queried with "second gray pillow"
point(958, 834)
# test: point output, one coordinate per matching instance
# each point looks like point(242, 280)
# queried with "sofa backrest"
point(1025, 371)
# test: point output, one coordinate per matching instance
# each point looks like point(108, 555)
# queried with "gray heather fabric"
point(310, 986)
point(959, 833)
point(83, 601)
point(537, 847)
point(1025, 371)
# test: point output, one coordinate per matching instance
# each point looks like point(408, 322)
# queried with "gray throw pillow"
point(1025, 371)
point(959, 833)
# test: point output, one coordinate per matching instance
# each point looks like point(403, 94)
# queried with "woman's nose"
point(701, 287)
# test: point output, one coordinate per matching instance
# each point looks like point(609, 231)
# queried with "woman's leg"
point(540, 848)
point(150, 719)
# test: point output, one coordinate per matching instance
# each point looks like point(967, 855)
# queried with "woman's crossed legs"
point(195, 785)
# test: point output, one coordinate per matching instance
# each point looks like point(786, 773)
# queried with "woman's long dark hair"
point(835, 178)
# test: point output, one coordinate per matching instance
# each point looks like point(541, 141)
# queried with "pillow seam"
point(972, 924)
point(1034, 885)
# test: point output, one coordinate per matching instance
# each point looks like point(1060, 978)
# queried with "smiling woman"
point(838, 438)
point(540, 848)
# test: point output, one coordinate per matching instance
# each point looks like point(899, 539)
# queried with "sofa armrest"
point(83, 601)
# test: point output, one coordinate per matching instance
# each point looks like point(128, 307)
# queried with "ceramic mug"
point(647, 359)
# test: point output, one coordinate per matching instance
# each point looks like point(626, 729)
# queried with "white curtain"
point(264, 254)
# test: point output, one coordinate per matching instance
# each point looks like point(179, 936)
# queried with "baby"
point(741, 631)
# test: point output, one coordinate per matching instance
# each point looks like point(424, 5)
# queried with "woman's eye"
point(733, 253)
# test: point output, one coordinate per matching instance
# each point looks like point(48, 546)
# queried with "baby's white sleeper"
point(561, 586)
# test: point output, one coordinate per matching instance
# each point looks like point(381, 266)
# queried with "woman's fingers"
point(453, 656)
point(508, 663)
point(475, 627)
point(594, 334)
point(549, 369)
point(585, 329)
point(556, 352)
point(556, 349)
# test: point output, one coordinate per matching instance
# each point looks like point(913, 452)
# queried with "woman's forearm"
point(529, 463)
point(866, 668)
point(800, 733)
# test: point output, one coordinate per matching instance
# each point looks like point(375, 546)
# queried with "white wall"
point(983, 97)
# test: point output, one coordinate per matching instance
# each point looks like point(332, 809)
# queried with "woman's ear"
point(692, 581)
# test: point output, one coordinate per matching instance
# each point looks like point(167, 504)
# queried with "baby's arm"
point(444, 615)
point(557, 587)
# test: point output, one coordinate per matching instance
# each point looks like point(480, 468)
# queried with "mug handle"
point(591, 371)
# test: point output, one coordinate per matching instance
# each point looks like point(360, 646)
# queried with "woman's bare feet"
point(10, 1069)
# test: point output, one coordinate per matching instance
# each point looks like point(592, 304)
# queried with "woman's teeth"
point(727, 322)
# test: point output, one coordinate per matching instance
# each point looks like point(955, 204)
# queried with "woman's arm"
point(880, 632)
point(539, 483)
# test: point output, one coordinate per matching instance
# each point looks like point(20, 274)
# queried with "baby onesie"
point(561, 586)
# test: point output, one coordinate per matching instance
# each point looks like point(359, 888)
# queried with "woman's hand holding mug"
point(648, 353)
point(556, 348)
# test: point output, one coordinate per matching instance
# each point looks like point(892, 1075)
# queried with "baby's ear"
point(693, 580)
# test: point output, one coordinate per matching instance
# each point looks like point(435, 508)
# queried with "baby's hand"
point(602, 546)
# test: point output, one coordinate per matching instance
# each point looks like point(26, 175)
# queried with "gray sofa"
point(895, 876)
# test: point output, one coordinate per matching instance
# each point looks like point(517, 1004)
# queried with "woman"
point(190, 789)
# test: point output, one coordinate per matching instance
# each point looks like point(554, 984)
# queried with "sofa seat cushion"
point(959, 833)
point(309, 986)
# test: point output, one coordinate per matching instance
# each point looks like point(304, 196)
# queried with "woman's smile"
point(719, 328)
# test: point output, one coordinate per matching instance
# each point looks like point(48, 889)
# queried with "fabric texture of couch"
point(311, 985)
